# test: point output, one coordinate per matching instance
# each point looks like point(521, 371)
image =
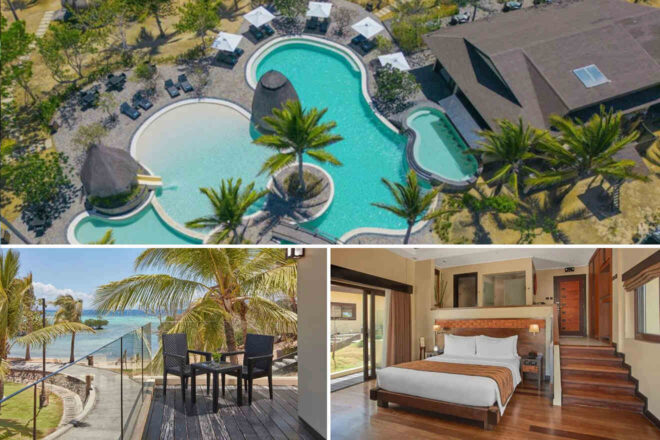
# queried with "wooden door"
point(465, 290)
point(570, 294)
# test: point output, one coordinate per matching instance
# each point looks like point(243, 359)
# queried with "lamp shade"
point(436, 328)
point(533, 328)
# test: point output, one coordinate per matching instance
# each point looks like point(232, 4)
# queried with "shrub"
point(408, 35)
point(394, 88)
point(384, 44)
point(116, 200)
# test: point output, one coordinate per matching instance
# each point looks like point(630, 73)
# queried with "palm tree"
point(411, 203)
point(212, 290)
point(512, 147)
point(229, 207)
point(13, 291)
point(70, 310)
point(585, 150)
point(297, 132)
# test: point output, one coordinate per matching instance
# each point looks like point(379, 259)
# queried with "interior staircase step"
point(569, 359)
point(595, 350)
point(588, 379)
point(602, 400)
point(579, 388)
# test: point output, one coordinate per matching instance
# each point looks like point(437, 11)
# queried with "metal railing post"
point(121, 386)
point(34, 414)
point(142, 361)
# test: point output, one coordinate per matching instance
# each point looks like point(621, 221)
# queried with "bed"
point(426, 385)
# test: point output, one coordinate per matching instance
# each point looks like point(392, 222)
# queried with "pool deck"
point(224, 83)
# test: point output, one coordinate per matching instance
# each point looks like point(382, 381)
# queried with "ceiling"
point(543, 257)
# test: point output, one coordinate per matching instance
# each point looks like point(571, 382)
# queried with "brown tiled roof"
point(535, 51)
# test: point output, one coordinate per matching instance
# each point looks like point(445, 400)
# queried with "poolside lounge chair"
point(238, 51)
point(139, 100)
point(176, 361)
point(184, 84)
point(357, 40)
point(312, 24)
point(171, 88)
point(267, 30)
point(323, 27)
point(129, 110)
point(367, 46)
point(257, 362)
point(227, 58)
point(256, 33)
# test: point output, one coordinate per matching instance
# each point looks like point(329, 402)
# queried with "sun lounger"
point(238, 51)
point(129, 110)
point(256, 33)
point(139, 100)
point(312, 24)
point(227, 58)
point(184, 84)
point(358, 40)
point(267, 30)
point(367, 46)
point(172, 89)
point(323, 27)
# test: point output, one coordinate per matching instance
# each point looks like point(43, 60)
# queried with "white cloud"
point(50, 292)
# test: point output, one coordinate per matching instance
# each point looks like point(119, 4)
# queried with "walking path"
point(72, 406)
point(45, 22)
point(104, 420)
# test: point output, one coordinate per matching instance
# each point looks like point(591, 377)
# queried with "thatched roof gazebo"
point(108, 172)
point(273, 91)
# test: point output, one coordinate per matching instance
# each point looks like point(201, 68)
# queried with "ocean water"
point(86, 343)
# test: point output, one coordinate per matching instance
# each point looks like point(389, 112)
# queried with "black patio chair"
point(227, 58)
point(256, 33)
point(176, 361)
point(358, 39)
point(171, 88)
point(312, 24)
point(129, 110)
point(139, 100)
point(184, 83)
point(323, 27)
point(267, 30)
point(257, 362)
point(238, 51)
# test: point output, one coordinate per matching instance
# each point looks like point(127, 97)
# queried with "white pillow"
point(499, 348)
point(460, 345)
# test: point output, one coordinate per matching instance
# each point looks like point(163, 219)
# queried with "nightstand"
point(434, 353)
point(533, 366)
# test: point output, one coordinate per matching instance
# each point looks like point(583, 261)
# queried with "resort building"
point(566, 59)
point(574, 331)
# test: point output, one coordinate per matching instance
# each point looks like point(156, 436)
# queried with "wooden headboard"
point(500, 328)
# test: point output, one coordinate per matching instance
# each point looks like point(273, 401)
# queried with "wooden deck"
point(265, 419)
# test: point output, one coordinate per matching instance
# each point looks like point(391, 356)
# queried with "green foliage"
point(384, 44)
point(394, 88)
point(145, 71)
point(64, 49)
point(37, 178)
point(291, 8)
point(501, 204)
point(512, 147)
point(90, 134)
point(158, 9)
point(116, 200)
point(298, 132)
point(96, 323)
point(15, 42)
point(107, 238)
point(198, 17)
point(230, 204)
point(313, 184)
point(48, 107)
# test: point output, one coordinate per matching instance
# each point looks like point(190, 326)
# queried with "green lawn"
point(351, 356)
point(16, 414)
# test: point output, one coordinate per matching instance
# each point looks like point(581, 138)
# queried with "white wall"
point(313, 340)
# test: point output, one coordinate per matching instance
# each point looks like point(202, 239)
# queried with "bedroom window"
point(342, 311)
point(647, 311)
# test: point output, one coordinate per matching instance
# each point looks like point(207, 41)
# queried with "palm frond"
point(48, 334)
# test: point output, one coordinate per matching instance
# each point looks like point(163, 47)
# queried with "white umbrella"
point(368, 27)
point(226, 41)
point(396, 60)
point(319, 9)
point(259, 16)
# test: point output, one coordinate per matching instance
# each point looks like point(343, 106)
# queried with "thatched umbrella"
point(108, 172)
point(273, 91)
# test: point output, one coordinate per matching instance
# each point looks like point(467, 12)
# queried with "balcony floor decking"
point(170, 419)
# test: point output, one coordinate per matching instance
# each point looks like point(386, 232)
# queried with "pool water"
point(439, 148)
point(146, 227)
point(370, 150)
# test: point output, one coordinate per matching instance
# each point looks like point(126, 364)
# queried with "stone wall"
point(26, 377)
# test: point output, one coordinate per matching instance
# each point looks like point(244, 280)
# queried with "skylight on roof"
point(591, 76)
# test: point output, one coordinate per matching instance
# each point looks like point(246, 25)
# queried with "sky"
point(78, 272)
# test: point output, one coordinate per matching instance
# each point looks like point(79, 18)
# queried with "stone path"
point(71, 404)
point(103, 420)
point(45, 22)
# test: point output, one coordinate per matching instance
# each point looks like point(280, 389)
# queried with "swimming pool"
point(438, 148)
point(195, 144)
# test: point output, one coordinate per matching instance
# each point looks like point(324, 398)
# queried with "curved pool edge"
point(449, 184)
point(389, 232)
point(259, 54)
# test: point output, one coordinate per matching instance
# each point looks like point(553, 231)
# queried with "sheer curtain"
point(398, 329)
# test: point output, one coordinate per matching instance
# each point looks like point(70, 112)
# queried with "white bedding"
point(446, 387)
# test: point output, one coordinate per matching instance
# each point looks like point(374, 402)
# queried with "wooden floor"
point(265, 419)
point(529, 415)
